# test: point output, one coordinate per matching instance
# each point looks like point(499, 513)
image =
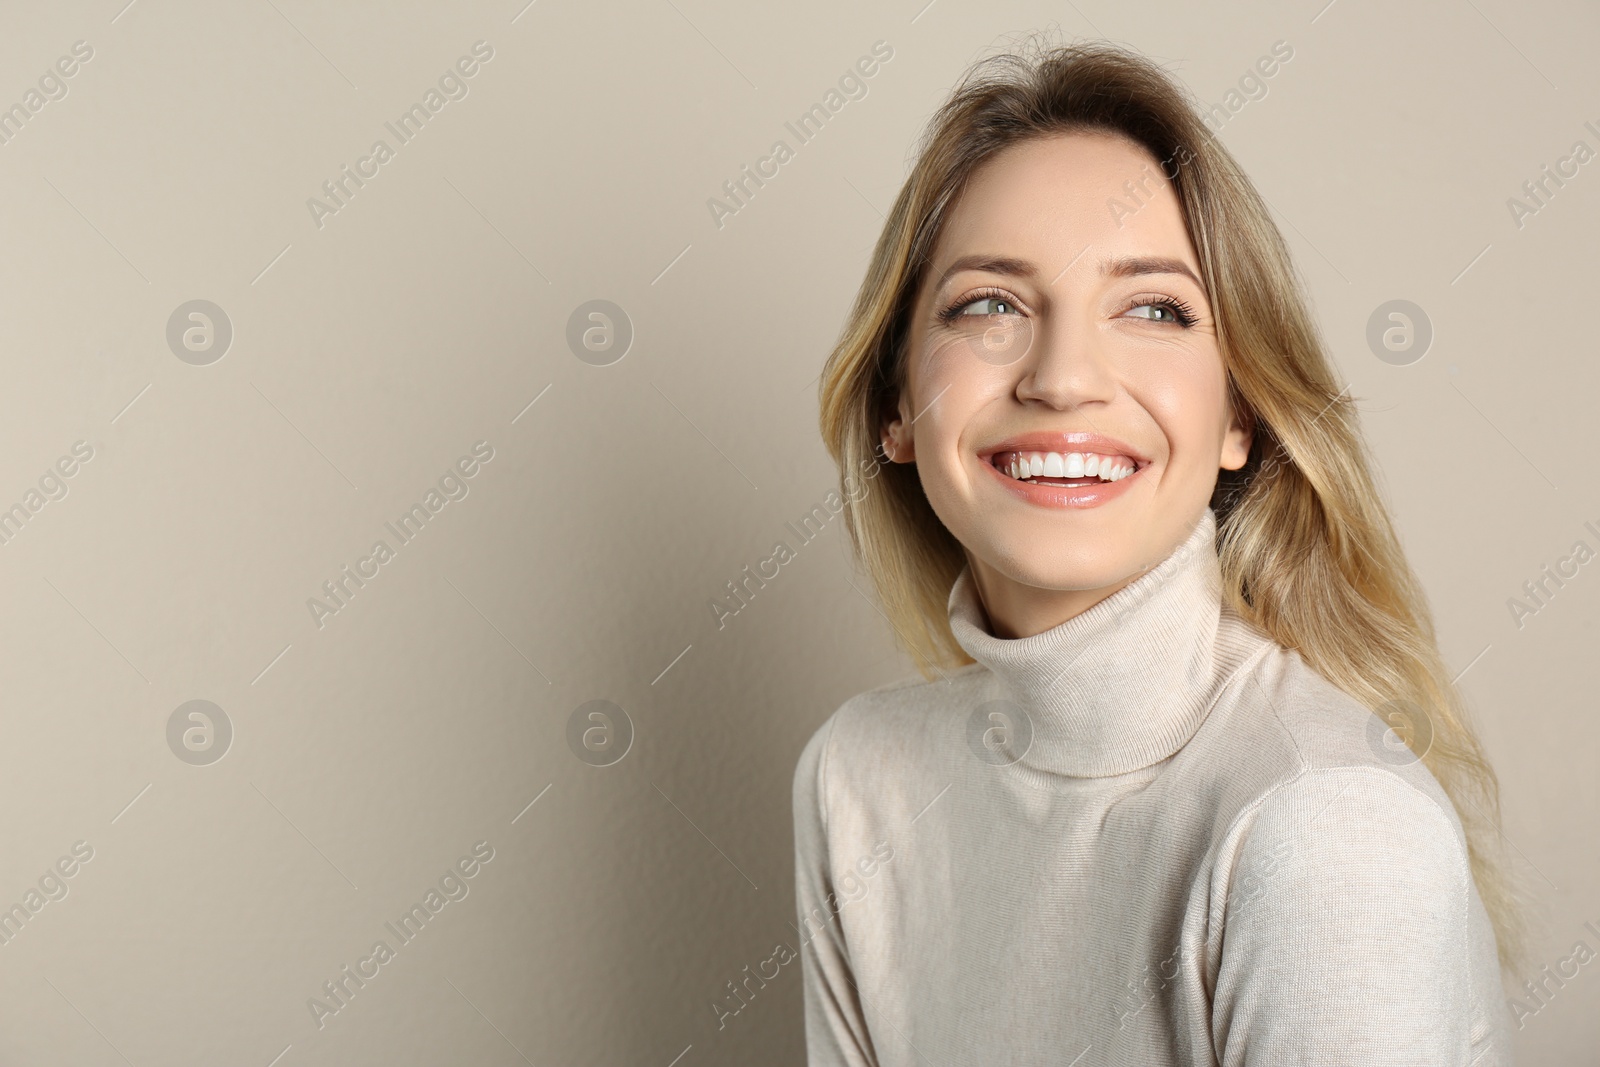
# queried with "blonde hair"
point(1307, 549)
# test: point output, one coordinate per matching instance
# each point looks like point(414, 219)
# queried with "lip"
point(1059, 496)
point(1062, 496)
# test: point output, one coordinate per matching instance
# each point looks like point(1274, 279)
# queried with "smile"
point(1064, 468)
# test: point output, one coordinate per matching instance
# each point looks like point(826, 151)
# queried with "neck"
point(1120, 684)
point(1015, 609)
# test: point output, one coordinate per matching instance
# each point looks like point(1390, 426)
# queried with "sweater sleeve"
point(1344, 937)
point(836, 1030)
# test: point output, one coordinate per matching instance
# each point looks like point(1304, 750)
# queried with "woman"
point(1144, 805)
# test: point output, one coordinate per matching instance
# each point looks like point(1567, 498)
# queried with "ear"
point(897, 441)
point(1236, 440)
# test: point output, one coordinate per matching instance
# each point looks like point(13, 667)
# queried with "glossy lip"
point(1058, 496)
point(1062, 496)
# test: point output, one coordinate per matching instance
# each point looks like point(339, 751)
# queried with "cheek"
point(948, 390)
point(939, 366)
point(1186, 402)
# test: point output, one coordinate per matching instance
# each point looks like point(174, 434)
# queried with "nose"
point(1067, 365)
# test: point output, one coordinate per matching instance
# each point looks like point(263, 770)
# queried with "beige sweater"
point(1147, 836)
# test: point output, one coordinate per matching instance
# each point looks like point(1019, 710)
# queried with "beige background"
point(371, 353)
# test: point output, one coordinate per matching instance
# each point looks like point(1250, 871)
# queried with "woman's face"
point(1062, 313)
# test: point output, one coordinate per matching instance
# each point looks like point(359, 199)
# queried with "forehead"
point(1048, 198)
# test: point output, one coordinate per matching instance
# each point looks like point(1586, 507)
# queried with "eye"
point(1164, 309)
point(1000, 305)
point(1159, 312)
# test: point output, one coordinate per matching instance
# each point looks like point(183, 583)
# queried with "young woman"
point(1144, 804)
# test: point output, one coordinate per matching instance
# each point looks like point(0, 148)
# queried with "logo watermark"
point(1399, 733)
point(199, 732)
point(852, 85)
point(1540, 993)
point(1539, 191)
point(1552, 579)
point(742, 590)
point(1251, 86)
point(599, 332)
point(52, 86)
point(453, 485)
point(52, 486)
point(1399, 332)
point(999, 732)
point(851, 887)
point(199, 332)
point(338, 191)
point(341, 989)
point(53, 886)
point(599, 732)
point(1246, 887)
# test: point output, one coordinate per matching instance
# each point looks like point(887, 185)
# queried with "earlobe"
point(1236, 443)
point(898, 446)
point(894, 450)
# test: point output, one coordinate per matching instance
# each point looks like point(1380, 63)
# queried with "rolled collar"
point(1125, 684)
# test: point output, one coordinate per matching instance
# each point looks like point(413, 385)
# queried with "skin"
point(1091, 351)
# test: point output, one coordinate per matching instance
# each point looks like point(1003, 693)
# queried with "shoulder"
point(883, 713)
point(1354, 826)
point(1323, 785)
point(886, 726)
point(1342, 922)
point(1292, 764)
point(1343, 914)
point(1281, 728)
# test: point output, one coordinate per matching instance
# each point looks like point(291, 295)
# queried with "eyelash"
point(1185, 314)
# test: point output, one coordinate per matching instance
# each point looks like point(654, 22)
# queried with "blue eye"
point(1159, 312)
point(1004, 306)
point(1164, 310)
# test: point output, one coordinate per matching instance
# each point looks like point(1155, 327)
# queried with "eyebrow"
point(1121, 267)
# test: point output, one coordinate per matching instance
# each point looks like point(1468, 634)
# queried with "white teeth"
point(1069, 465)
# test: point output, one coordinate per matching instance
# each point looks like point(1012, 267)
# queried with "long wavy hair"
point(1307, 549)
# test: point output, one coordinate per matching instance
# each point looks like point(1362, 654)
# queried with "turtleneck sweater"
point(1149, 835)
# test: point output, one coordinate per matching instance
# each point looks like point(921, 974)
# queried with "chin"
point(1064, 571)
